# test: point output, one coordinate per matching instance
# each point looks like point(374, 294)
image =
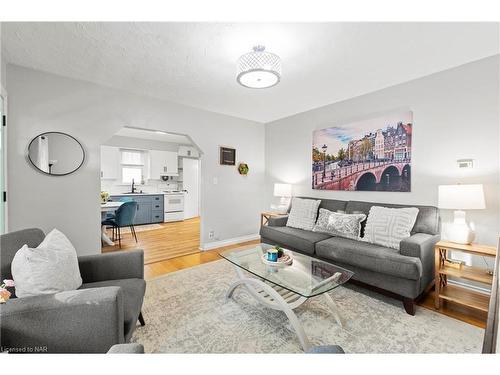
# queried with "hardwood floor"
point(171, 265)
point(176, 246)
point(172, 240)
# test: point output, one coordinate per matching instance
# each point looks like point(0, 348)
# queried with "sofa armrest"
point(419, 245)
point(112, 266)
point(79, 321)
point(277, 221)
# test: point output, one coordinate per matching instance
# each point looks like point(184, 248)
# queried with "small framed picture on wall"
point(227, 156)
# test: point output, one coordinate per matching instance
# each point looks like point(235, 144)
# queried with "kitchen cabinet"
point(149, 207)
point(162, 163)
point(110, 162)
point(188, 151)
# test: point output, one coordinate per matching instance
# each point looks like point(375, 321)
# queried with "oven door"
point(174, 203)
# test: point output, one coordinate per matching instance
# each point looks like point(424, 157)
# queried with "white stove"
point(173, 205)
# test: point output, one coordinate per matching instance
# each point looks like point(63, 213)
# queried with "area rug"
point(186, 312)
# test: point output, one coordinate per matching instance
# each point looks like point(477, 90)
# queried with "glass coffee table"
point(286, 287)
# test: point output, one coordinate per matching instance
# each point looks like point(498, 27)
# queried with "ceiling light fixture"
point(259, 69)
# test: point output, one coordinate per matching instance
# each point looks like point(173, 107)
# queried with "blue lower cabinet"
point(149, 207)
point(157, 216)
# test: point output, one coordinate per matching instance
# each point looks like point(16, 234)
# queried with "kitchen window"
point(132, 166)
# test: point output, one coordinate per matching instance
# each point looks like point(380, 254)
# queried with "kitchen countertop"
point(160, 193)
point(126, 194)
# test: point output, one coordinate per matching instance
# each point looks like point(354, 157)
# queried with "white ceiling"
point(194, 63)
point(154, 136)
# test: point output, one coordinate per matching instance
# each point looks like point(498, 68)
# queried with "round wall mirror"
point(55, 153)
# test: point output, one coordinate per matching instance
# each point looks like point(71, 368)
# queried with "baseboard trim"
point(230, 241)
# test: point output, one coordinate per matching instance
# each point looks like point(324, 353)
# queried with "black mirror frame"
point(59, 174)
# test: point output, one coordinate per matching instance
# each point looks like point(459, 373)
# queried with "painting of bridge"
point(369, 155)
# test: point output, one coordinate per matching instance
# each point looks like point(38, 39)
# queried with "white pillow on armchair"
point(50, 268)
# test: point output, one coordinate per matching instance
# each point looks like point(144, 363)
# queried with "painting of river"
point(366, 155)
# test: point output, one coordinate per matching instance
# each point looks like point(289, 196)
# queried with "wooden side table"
point(266, 215)
point(455, 293)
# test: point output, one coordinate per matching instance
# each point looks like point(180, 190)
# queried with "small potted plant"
point(4, 293)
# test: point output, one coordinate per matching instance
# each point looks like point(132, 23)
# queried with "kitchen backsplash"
point(151, 186)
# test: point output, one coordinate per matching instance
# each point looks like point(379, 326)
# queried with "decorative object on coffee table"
point(227, 156)
point(286, 288)
point(460, 198)
point(456, 293)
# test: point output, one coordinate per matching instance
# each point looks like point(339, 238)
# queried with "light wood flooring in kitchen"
point(172, 240)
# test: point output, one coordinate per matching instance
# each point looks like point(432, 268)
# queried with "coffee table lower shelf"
point(278, 298)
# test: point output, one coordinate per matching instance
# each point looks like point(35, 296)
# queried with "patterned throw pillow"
point(339, 224)
point(388, 226)
point(303, 213)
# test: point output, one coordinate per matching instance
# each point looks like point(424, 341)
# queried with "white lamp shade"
point(282, 190)
point(461, 197)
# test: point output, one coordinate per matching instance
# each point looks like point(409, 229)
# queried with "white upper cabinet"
point(110, 162)
point(162, 163)
point(188, 151)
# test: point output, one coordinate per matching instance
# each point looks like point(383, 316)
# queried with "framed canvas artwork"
point(227, 156)
point(369, 155)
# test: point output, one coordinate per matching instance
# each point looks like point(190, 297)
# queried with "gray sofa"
point(102, 313)
point(406, 273)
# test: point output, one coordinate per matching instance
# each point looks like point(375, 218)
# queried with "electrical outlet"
point(211, 234)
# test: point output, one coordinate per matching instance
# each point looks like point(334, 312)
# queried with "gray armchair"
point(102, 313)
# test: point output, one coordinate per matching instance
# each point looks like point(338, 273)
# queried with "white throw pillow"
point(339, 224)
point(303, 213)
point(50, 268)
point(389, 226)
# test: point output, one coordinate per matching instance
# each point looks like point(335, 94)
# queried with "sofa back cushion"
point(427, 219)
point(13, 241)
point(303, 213)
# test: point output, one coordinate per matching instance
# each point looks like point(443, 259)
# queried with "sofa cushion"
point(52, 267)
point(303, 213)
point(296, 239)
point(133, 294)
point(427, 218)
point(389, 226)
point(338, 224)
point(369, 256)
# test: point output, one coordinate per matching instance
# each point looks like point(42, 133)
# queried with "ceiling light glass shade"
point(259, 69)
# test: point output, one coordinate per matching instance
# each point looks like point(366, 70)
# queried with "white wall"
point(455, 116)
point(91, 113)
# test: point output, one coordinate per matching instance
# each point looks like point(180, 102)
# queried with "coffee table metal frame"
point(278, 298)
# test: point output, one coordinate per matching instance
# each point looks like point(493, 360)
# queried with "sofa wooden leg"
point(141, 319)
point(409, 305)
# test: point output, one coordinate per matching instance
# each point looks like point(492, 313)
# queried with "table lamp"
point(284, 191)
point(460, 198)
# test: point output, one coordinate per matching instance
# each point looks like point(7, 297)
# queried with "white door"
point(191, 183)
